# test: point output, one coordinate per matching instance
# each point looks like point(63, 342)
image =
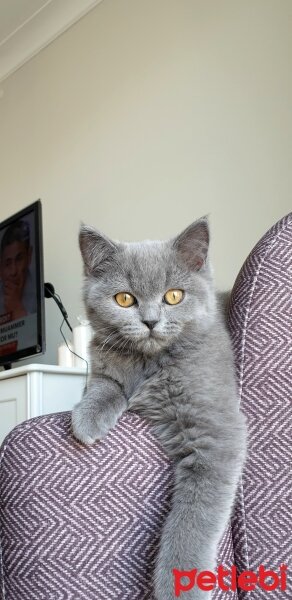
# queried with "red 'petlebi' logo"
point(228, 579)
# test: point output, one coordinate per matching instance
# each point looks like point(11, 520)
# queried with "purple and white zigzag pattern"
point(260, 323)
point(83, 523)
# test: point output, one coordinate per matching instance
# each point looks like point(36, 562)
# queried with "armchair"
point(83, 523)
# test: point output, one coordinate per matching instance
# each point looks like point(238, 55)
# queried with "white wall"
point(144, 116)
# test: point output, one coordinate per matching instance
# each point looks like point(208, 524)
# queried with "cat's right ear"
point(97, 250)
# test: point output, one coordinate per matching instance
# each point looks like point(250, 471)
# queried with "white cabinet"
point(35, 390)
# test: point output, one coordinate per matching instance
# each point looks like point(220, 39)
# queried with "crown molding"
point(40, 30)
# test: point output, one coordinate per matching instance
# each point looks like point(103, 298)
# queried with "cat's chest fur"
point(129, 371)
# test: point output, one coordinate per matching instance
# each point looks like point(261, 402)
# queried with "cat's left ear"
point(193, 243)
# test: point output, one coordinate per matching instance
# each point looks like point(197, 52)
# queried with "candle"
point(65, 357)
point(82, 335)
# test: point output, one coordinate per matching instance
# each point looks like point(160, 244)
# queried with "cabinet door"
point(13, 404)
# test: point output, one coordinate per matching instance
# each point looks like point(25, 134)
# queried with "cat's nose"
point(150, 324)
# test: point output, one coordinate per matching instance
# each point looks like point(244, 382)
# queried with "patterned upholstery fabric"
point(260, 323)
point(83, 523)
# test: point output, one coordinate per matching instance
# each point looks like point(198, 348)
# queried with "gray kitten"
point(161, 349)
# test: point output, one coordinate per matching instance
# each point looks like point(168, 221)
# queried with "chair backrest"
point(260, 324)
point(81, 522)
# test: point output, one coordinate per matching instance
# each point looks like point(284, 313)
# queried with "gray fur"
point(180, 377)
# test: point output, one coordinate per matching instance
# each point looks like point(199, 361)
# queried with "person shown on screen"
point(16, 286)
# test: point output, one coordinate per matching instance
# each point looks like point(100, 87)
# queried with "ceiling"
point(27, 26)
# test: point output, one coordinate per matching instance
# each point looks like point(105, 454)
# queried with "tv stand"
point(34, 390)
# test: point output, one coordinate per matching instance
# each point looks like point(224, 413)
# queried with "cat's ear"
point(97, 250)
point(193, 243)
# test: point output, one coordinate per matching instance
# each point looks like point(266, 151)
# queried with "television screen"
point(22, 331)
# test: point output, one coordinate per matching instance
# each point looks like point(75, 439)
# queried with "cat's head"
point(141, 297)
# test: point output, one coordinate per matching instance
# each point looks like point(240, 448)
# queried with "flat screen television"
point(22, 323)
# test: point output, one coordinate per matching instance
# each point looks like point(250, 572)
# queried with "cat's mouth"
point(153, 342)
point(154, 335)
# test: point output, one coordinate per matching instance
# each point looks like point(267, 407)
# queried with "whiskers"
point(107, 339)
point(132, 339)
point(114, 342)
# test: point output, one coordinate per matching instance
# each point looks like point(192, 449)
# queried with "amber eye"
point(124, 299)
point(173, 296)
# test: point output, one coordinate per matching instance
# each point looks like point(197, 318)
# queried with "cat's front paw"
point(89, 424)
